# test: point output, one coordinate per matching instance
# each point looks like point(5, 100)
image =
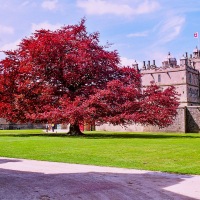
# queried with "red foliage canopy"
point(66, 76)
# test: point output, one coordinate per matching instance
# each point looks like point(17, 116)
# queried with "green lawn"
point(177, 153)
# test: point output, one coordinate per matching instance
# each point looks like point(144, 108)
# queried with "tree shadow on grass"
point(34, 135)
point(136, 135)
point(107, 135)
point(60, 181)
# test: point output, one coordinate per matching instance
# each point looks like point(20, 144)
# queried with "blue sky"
point(138, 29)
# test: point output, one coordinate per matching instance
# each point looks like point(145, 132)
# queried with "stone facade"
point(184, 77)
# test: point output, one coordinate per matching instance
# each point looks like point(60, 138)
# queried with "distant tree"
point(66, 76)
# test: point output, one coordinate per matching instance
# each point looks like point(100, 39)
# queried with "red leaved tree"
point(66, 76)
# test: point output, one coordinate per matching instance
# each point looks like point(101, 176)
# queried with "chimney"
point(190, 63)
point(186, 54)
point(154, 63)
point(144, 65)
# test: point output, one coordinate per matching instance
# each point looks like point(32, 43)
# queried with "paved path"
point(39, 180)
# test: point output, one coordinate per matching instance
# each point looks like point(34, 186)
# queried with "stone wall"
point(193, 119)
point(179, 125)
point(5, 125)
point(21, 126)
point(118, 128)
point(187, 121)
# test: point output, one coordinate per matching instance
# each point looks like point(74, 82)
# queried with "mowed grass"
point(176, 153)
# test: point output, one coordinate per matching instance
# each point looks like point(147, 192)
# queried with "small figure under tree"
point(66, 76)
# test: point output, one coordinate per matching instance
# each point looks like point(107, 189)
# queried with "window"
point(190, 78)
point(159, 78)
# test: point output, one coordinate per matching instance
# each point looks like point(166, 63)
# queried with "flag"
point(196, 35)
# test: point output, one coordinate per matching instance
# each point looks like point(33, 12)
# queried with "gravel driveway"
point(22, 179)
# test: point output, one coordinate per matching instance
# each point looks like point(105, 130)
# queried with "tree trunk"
point(74, 129)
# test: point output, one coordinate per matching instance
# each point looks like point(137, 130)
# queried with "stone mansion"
point(185, 77)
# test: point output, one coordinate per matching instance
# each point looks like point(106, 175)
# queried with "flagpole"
point(197, 42)
point(197, 45)
point(196, 35)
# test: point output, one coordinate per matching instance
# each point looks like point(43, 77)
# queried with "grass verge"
point(176, 153)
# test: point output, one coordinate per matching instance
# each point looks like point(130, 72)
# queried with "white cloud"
point(10, 46)
point(147, 6)
point(50, 4)
point(25, 3)
point(127, 61)
point(101, 7)
point(171, 28)
point(45, 25)
point(139, 34)
point(28, 3)
point(6, 29)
